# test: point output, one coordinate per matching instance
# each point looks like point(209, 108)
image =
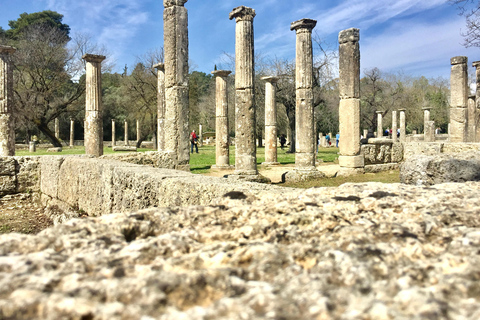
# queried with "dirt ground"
point(22, 213)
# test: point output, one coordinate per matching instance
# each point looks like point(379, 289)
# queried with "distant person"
point(327, 139)
point(283, 140)
point(337, 139)
point(438, 131)
point(194, 140)
point(398, 133)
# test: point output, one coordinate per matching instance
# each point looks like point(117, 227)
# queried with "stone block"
point(349, 117)
point(376, 168)
point(349, 70)
point(28, 174)
point(7, 166)
point(460, 147)
point(416, 148)
point(397, 152)
point(299, 175)
point(50, 173)
point(124, 148)
point(459, 85)
point(351, 161)
point(8, 184)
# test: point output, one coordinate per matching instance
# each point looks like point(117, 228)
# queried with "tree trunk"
point(42, 126)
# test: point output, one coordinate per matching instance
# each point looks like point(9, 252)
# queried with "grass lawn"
point(67, 151)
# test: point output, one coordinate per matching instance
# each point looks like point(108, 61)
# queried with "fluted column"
point(175, 26)
point(245, 148)
point(304, 109)
point(270, 121)
point(7, 127)
point(458, 99)
point(394, 126)
point(160, 106)
point(349, 108)
point(72, 133)
point(222, 151)
point(93, 105)
point(403, 132)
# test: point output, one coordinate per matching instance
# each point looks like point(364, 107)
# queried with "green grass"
point(68, 151)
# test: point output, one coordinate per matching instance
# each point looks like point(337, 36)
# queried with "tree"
point(45, 20)
point(470, 9)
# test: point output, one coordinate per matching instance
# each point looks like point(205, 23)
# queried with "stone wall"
point(433, 148)
point(19, 174)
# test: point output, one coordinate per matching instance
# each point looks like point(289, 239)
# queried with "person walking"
point(194, 141)
point(337, 139)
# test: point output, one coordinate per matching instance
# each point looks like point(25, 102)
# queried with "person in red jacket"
point(193, 140)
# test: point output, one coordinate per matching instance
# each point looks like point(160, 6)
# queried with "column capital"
point(242, 13)
point(426, 108)
point(349, 35)
point(93, 57)
point(159, 66)
point(171, 3)
point(72, 119)
point(402, 110)
point(221, 73)
point(379, 112)
point(476, 64)
point(458, 60)
point(270, 79)
point(307, 24)
point(113, 120)
point(7, 49)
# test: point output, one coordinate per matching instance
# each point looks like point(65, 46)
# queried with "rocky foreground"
point(360, 251)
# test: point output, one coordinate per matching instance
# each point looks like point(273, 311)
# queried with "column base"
point(223, 167)
point(301, 175)
point(351, 161)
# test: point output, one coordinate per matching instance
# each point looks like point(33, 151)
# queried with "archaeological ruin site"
point(137, 236)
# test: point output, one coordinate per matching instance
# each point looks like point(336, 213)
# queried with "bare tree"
point(470, 9)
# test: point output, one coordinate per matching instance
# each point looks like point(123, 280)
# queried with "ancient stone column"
point(114, 139)
point(271, 121)
point(200, 135)
point(365, 132)
point(72, 133)
point(222, 151)
point(32, 146)
point(429, 131)
point(403, 133)
point(175, 34)
point(139, 132)
point(160, 106)
point(7, 128)
point(57, 128)
point(471, 120)
point(426, 114)
point(245, 148)
point(379, 124)
point(304, 109)
point(126, 133)
point(93, 105)
point(349, 109)
point(476, 64)
point(394, 126)
point(458, 100)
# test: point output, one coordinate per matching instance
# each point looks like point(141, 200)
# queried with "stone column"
point(394, 126)
point(7, 127)
point(379, 124)
point(200, 135)
point(476, 64)
point(139, 131)
point(93, 105)
point(428, 126)
point(365, 133)
point(471, 120)
point(72, 133)
point(126, 133)
point(426, 114)
point(222, 151)
point(458, 100)
point(245, 148)
point(349, 109)
point(403, 133)
point(32, 146)
point(114, 139)
point(160, 106)
point(271, 121)
point(304, 109)
point(57, 128)
point(175, 34)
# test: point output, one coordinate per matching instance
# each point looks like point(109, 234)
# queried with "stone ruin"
point(166, 244)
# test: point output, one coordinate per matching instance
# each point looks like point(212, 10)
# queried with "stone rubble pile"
point(360, 251)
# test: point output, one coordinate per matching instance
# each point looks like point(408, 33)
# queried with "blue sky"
point(413, 37)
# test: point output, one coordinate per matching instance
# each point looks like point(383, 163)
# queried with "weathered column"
point(175, 34)
point(245, 148)
point(458, 99)
point(7, 128)
point(57, 128)
point(476, 64)
point(72, 133)
point(394, 126)
point(93, 105)
point(222, 151)
point(403, 132)
point(365, 133)
point(160, 106)
point(349, 109)
point(271, 121)
point(426, 114)
point(379, 124)
point(200, 135)
point(428, 126)
point(32, 146)
point(304, 109)
point(126, 133)
point(139, 131)
point(471, 119)
point(114, 139)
